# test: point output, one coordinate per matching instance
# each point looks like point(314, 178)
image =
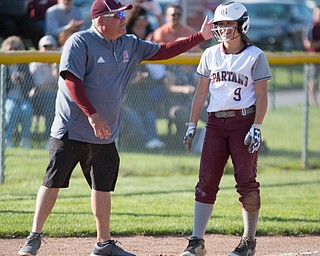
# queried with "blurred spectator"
point(181, 80)
point(312, 44)
point(45, 76)
point(137, 22)
point(181, 84)
point(141, 105)
point(151, 6)
point(63, 17)
point(37, 10)
point(15, 20)
point(173, 29)
point(144, 93)
point(63, 37)
point(18, 108)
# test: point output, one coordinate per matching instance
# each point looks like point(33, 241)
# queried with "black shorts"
point(99, 163)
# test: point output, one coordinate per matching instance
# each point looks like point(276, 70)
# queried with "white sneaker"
point(155, 143)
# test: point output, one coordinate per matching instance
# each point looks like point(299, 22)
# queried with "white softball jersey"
point(232, 76)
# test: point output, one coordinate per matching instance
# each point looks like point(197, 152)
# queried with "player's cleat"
point(32, 245)
point(109, 248)
point(246, 247)
point(195, 247)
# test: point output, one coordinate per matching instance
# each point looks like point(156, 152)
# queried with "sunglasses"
point(116, 15)
point(176, 14)
point(48, 46)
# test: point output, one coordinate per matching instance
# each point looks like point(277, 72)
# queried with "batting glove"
point(253, 138)
point(190, 133)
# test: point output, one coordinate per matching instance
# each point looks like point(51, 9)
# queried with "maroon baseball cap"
point(101, 7)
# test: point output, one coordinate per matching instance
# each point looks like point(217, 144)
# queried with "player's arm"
point(199, 99)
point(261, 101)
point(78, 94)
point(253, 137)
point(177, 47)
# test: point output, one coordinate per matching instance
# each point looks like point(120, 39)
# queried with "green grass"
point(286, 77)
point(164, 205)
point(283, 132)
point(155, 192)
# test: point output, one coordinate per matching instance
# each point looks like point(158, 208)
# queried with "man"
point(180, 79)
point(37, 11)
point(63, 16)
point(95, 68)
point(312, 44)
point(173, 29)
point(43, 94)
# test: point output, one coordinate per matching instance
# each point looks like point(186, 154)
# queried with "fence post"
point(2, 121)
point(304, 153)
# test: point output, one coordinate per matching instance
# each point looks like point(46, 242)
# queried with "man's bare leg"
point(101, 209)
point(46, 199)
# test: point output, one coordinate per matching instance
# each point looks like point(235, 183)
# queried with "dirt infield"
point(171, 246)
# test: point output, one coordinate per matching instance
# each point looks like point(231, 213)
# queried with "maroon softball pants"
point(224, 138)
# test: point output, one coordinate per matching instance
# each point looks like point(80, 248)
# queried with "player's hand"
point(253, 138)
point(190, 133)
point(100, 126)
point(206, 28)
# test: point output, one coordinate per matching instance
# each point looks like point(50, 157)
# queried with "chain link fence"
point(155, 108)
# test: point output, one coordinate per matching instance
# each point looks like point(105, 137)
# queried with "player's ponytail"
point(246, 39)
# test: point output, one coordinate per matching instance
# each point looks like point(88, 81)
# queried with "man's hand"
point(206, 28)
point(190, 133)
point(100, 126)
point(253, 138)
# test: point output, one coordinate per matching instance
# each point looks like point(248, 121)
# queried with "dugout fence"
point(291, 128)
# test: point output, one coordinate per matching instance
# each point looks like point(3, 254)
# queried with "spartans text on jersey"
point(229, 76)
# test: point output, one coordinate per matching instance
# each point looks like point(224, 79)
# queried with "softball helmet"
point(231, 12)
